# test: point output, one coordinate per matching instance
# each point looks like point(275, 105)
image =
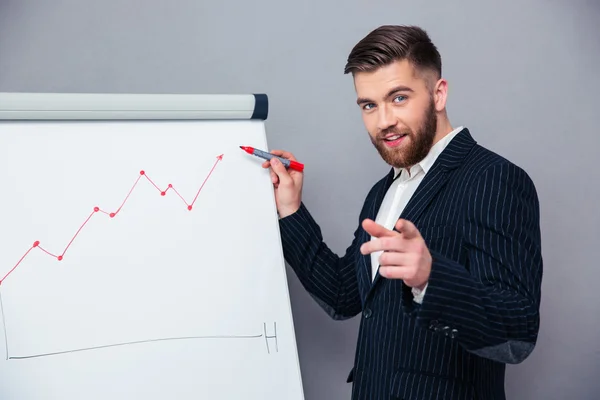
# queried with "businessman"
point(446, 263)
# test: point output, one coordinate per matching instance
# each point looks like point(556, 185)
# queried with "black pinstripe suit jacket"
point(479, 216)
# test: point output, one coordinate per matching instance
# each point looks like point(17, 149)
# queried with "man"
point(446, 263)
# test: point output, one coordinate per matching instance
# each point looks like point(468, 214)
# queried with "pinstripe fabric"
point(479, 215)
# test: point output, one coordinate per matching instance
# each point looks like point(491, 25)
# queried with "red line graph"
point(96, 210)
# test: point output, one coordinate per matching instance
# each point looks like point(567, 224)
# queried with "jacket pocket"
point(443, 238)
point(433, 232)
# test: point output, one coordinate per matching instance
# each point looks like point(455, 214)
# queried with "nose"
point(386, 118)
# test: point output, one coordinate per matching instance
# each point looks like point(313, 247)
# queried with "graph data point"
point(96, 209)
point(112, 215)
point(163, 193)
point(190, 208)
point(59, 258)
point(170, 185)
point(36, 243)
point(142, 172)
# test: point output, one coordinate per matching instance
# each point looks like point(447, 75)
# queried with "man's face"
point(398, 111)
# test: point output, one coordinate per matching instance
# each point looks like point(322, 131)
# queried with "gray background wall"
point(523, 77)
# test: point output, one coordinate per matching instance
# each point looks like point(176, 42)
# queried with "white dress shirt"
point(400, 193)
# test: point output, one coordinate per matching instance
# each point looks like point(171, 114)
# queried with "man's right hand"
point(287, 184)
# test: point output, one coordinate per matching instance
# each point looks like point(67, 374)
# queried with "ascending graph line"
point(96, 210)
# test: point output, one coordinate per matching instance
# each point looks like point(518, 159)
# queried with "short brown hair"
point(390, 43)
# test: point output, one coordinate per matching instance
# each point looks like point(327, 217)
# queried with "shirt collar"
point(426, 163)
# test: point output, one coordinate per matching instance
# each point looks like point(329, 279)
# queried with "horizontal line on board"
point(137, 342)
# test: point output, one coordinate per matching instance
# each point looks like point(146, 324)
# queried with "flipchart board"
point(141, 256)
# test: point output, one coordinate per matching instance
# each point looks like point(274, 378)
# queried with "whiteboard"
point(141, 256)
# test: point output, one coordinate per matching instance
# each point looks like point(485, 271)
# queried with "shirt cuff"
point(419, 294)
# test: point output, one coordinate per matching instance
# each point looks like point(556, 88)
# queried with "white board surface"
point(158, 301)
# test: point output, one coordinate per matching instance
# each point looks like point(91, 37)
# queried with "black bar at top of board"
point(261, 106)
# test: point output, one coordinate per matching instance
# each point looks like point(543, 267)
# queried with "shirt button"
point(367, 313)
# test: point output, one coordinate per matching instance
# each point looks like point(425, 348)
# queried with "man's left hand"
point(405, 255)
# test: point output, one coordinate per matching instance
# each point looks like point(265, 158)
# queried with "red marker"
point(267, 156)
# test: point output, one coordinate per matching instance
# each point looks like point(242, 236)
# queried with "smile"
point(394, 140)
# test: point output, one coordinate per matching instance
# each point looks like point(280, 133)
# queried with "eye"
point(368, 105)
point(400, 98)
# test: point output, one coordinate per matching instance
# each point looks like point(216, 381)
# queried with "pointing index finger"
point(376, 230)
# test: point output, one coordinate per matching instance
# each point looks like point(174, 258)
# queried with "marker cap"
point(297, 166)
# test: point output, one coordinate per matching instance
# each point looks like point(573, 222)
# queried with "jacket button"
point(367, 313)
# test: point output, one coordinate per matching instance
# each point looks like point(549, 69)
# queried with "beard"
point(419, 142)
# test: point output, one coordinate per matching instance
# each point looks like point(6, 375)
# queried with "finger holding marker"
point(282, 154)
point(288, 193)
point(286, 174)
point(274, 177)
point(281, 172)
point(267, 163)
point(279, 153)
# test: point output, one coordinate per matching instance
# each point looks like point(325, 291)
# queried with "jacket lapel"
point(437, 177)
point(373, 206)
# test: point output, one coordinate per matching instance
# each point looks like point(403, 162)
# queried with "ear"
point(440, 94)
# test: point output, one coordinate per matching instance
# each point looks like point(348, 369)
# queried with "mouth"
point(394, 140)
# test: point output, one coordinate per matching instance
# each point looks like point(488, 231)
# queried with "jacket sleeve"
point(491, 305)
point(331, 280)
